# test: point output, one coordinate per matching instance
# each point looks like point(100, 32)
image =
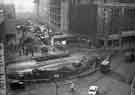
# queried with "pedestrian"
point(72, 87)
point(98, 60)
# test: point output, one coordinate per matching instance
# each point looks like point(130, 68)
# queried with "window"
point(130, 12)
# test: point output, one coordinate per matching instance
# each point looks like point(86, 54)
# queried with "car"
point(16, 84)
point(93, 90)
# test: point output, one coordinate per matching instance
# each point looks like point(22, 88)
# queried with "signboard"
point(114, 36)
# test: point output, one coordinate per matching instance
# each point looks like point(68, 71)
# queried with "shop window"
point(110, 43)
point(130, 12)
point(116, 43)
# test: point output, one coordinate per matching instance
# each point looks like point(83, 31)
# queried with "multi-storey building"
point(105, 20)
point(115, 19)
point(72, 16)
point(54, 13)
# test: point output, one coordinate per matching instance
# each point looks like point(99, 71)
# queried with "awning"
point(128, 33)
point(62, 36)
point(114, 37)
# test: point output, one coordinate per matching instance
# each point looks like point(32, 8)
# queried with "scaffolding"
point(3, 82)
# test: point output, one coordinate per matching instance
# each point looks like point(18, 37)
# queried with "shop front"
point(114, 41)
point(128, 39)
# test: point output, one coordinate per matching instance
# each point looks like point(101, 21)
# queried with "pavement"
point(127, 70)
point(27, 63)
point(31, 64)
point(113, 83)
point(108, 84)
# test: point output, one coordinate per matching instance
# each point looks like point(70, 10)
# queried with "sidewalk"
point(17, 58)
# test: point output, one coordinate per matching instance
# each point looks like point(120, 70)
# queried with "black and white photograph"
point(67, 47)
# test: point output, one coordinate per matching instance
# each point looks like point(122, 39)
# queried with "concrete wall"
point(83, 20)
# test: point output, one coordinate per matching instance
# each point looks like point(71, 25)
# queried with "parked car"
point(16, 84)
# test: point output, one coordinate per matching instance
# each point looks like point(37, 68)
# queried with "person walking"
point(72, 88)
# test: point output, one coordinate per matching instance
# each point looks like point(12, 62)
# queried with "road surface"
point(111, 84)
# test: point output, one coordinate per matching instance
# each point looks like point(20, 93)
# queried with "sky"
point(22, 5)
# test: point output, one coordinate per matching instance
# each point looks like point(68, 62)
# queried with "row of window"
point(80, 1)
point(126, 1)
point(55, 2)
point(118, 12)
point(56, 18)
point(56, 11)
point(55, 23)
point(130, 11)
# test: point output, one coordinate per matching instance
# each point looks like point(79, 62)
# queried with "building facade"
point(70, 16)
point(54, 13)
point(115, 19)
point(83, 18)
point(104, 21)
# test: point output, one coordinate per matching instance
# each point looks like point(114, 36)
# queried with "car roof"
point(105, 62)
